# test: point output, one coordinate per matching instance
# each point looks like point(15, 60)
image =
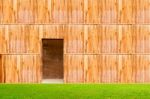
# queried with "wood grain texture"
point(109, 39)
point(142, 11)
point(109, 67)
point(91, 70)
point(74, 68)
point(142, 63)
point(142, 37)
point(74, 39)
point(21, 68)
point(126, 11)
point(126, 38)
point(126, 69)
point(75, 11)
point(92, 37)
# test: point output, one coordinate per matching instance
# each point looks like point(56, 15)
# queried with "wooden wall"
point(105, 41)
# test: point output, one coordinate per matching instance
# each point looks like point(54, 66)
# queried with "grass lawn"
point(75, 91)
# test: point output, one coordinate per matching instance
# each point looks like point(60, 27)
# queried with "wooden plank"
point(91, 68)
point(126, 39)
point(52, 31)
point(1, 11)
point(75, 11)
point(43, 11)
point(3, 42)
point(126, 11)
point(9, 11)
point(92, 38)
point(126, 69)
point(109, 11)
point(22, 68)
point(92, 11)
point(142, 37)
point(142, 9)
point(25, 11)
point(74, 39)
point(142, 63)
point(109, 69)
point(109, 39)
point(59, 11)
point(73, 69)
point(1, 70)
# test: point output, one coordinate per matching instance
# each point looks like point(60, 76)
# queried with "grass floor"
point(75, 91)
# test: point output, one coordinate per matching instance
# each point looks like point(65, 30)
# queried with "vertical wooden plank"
point(109, 69)
point(142, 8)
point(12, 33)
point(43, 11)
point(73, 68)
point(59, 11)
point(22, 68)
point(26, 11)
point(92, 11)
point(9, 11)
point(142, 37)
point(126, 11)
point(109, 11)
point(74, 39)
point(75, 11)
point(53, 31)
point(11, 74)
point(1, 70)
point(1, 11)
point(126, 39)
point(126, 69)
point(109, 39)
point(92, 38)
point(91, 69)
point(3, 43)
point(142, 68)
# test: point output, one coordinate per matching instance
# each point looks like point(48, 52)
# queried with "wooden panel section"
point(109, 39)
point(126, 69)
point(108, 67)
point(126, 39)
point(74, 39)
point(142, 67)
point(25, 11)
point(3, 41)
point(73, 68)
point(59, 11)
point(52, 31)
point(91, 68)
point(42, 11)
point(142, 37)
point(142, 10)
point(22, 39)
point(1, 70)
point(22, 68)
point(75, 10)
point(126, 11)
point(92, 11)
point(92, 39)
point(9, 11)
point(109, 11)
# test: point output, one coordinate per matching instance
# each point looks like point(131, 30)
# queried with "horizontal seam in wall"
point(69, 24)
point(107, 54)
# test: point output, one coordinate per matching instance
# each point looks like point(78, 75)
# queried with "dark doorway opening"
point(52, 60)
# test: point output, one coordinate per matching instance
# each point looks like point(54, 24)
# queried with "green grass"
point(75, 91)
